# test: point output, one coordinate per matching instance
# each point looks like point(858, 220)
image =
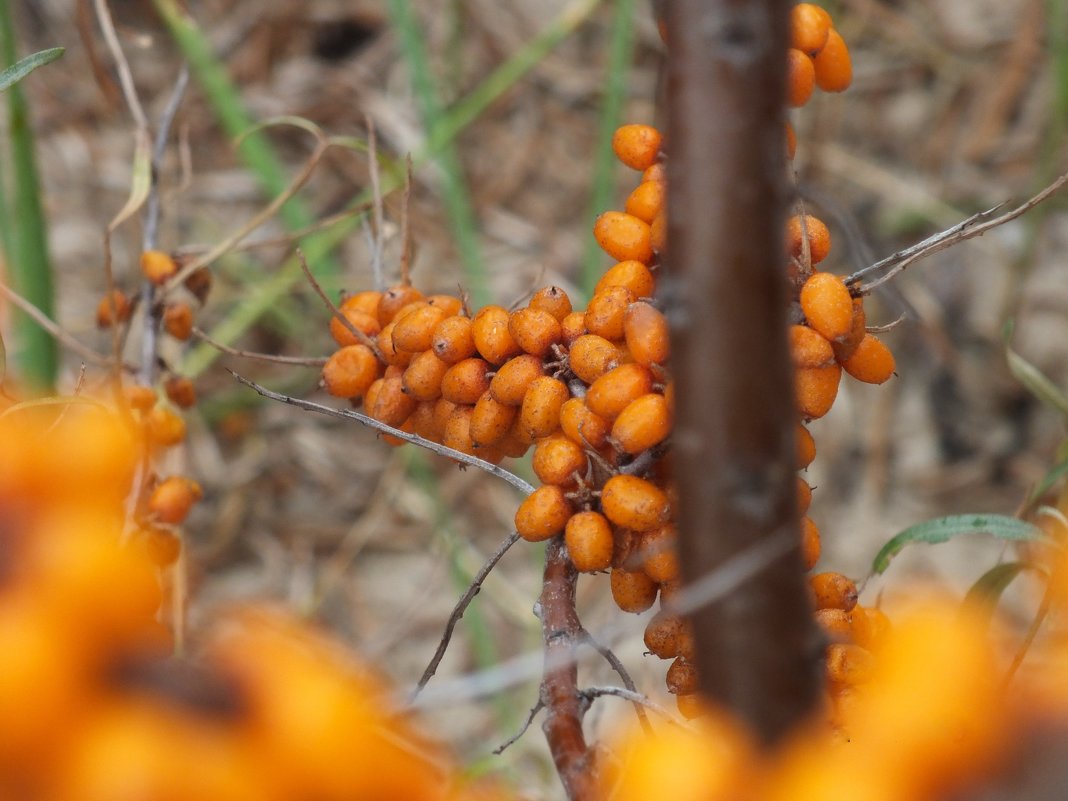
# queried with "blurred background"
point(507, 107)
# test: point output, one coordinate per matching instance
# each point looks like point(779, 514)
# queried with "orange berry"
point(543, 514)
point(809, 27)
point(657, 172)
point(604, 314)
point(637, 146)
point(359, 319)
point(492, 337)
point(366, 301)
point(139, 397)
point(633, 591)
point(114, 307)
point(452, 340)
point(447, 303)
point(682, 677)
point(646, 201)
point(514, 443)
point(414, 332)
point(634, 503)
point(833, 591)
point(199, 283)
point(589, 540)
point(870, 626)
point(391, 355)
point(804, 496)
point(160, 545)
point(393, 300)
point(534, 330)
point(631, 274)
point(871, 361)
point(658, 232)
point(442, 410)
point(834, 68)
point(643, 423)
point(165, 427)
point(836, 624)
point(572, 327)
point(491, 419)
point(660, 559)
point(806, 447)
point(810, 543)
point(808, 348)
point(582, 426)
point(691, 706)
point(845, 345)
point(645, 329)
point(558, 460)
point(662, 635)
point(819, 238)
point(465, 381)
point(827, 305)
point(457, 431)
point(172, 499)
point(849, 664)
point(610, 394)
point(623, 236)
point(349, 372)
point(815, 389)
point(424, 375)
point(539, 416)
point(791, 141)
point(178, 320)
point(390, 404)
point(800, 77)
point(157, 266)
point(423, 421)
point(180, 391)
point(591, 356)
point(513, 378)
point(552, 299)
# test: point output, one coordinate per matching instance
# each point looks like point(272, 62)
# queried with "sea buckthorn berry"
point(610, 394)
point(791, 141)
point(180, 391)
point(645, 329)
point(572, 327)
point(837, 624)
point(582, 426)
point(604, 314)
point(447, 303)
point(392, 405)
point(845, 345)
point(349, 372)
point(415, 331)
point(407, 309)
point(491, 420)
point(849, 664)
point(633, 591)
point(833, 591)
point(809, 26)
point(871, 361)
point(552, 299)
point(637, 146)
point(691, 706)
point(623, 236)
point(139, 397)
point(514, 444)
point(457, 431)
point(815, 389)
point(591, 356)
point(631, 274)
point(657, 172)
point(366, 301)
point(589, 540)
point(808, 348)
point(660, 559)
point(534, 330)
point(423, 423)
point(539, 416)
point(662, 635)
point(465, 381)
point(658, 232)
point(558, 460)
point(827, 305)
point(819, 238)
point(157, 266)
point(172, 499)
point(810, 543)
point(543, 514)
point(391, 355)
point(199, 283)
point(682, 677)
point(442, 409)
point(834, 68)
point(178, 320)
point(800, 77)
point(393, 300)
point(114, 307)
point(804, 496)
point(646, 201)
point(513, 378)
point(634, 503)
point(166, 428)
point(360, 320)
point(423, 376)
point(160, 545)
point(643, 423)
point(806, 447)
point(870, 626)
point(452, 340)
point(492, 338)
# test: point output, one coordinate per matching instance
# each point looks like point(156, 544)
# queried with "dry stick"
point(338, 315)
point(69, 341)
point(757, 648)
point(414, 439)
point(613, 660)
point(376, 205)
point(534, 710)
point(976, 225)
point(406, 233)
point(458, 611)
point(638, 699)
point(304, 361)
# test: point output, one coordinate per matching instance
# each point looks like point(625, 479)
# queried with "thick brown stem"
point(725, 289)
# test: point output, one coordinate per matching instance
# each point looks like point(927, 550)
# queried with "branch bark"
point(758, 651)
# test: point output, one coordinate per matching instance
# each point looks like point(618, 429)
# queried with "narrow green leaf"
point(943, 529)
point(1031, 377)
point(20, 69)
point(986, 592)
point(1055, 474)
point(140, 182)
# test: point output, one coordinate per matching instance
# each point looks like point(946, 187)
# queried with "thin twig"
point(382, 428)
point(882, 329)
point(534, 710)
point(68, 340)
point(107, 26)
point(406, 231)
point(304, 361)
point(341, 318)
point(613, 660)
point(461, 606)
point(638, 699)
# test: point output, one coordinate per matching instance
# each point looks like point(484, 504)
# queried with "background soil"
point(956, 106)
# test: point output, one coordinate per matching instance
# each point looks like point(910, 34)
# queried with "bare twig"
point(627, 694)
point(406, 232)
point(68, 340)
point(534, 710)
point(458, 611)
point(613, 660)
point(882, 329)
point(341, 318)
point(414, 439)
point(304, 361)
point(103, 15)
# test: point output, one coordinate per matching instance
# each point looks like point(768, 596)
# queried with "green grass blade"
point(34, 354)
point(986, 592)
point(16, 72)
